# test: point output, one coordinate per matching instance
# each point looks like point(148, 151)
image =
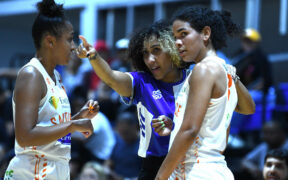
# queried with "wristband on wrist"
point(236, 78)
point(92, 57)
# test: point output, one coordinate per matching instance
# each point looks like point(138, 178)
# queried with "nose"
point(73, 46)
point(151, 58)
point(178, 43)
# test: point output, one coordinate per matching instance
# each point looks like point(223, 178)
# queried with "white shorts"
point(202, 171)
point(29, 167)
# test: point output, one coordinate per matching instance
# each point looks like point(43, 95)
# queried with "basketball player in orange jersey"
point(43, 123)
point(206, 101)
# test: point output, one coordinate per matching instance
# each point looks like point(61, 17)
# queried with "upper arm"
point(122, 83)
point(29, 89)
point(201, 85)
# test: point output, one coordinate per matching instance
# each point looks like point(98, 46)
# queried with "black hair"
point(281, 154)
point(162, 31)
point(50, 19)
point(220, 23)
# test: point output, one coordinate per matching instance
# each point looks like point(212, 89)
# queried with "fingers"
point(156, 123)
point(93, 106)
point(85, 43)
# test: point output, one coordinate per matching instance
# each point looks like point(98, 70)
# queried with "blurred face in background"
point(275, 169)
point(273, 135)
point(89, 174)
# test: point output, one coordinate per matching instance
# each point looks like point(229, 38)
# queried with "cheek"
point(265, 172)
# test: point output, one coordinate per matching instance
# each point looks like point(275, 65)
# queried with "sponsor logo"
point(54, 101)
point(157, 94)
point(65, 140)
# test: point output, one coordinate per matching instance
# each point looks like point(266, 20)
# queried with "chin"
point(187, 59)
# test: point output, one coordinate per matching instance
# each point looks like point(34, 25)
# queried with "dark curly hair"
point(163, 33)
point(50, 19)
point(220, 23)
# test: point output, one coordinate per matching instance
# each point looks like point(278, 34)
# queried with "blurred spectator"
point(108, 99)
point(98, 146)
point(71, 76)
point(124, 160)
point(94, 171)
point(121, 63)
point(276, 165)
point(254, 70)
point(103, 50)
point(6, 119)
point(252, 64)
point(274, 137)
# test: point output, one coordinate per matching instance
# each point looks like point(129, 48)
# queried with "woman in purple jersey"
point(150, 87)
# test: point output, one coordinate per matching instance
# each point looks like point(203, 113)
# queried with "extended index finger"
point(85, 43)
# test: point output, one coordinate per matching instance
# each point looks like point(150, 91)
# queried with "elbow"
point(251, 109)
point(248, 110)
point(22, 140)
point(191, 133)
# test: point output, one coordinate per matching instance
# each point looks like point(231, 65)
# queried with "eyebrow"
point(181, 29)
point(155, 45)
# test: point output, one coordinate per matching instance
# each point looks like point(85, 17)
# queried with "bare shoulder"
point(207, 66)
point(29, 74)
point(29, 81)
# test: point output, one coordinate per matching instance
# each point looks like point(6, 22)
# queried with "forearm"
point(115, 79)
point(44, 135)
point(245, 103)
point(180, 146)
point(76, 116)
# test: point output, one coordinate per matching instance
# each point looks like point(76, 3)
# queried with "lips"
point(272, 177)
point(153, 69)
point(181, 52)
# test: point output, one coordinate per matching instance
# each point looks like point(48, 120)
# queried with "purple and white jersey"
point(153, 98)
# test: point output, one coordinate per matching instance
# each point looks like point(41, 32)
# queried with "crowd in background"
point(111, 152)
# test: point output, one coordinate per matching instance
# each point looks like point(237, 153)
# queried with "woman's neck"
point(47, 63)
point(174, 76)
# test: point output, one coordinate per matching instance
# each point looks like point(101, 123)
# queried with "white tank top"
point(54, 109)
point(211, 139)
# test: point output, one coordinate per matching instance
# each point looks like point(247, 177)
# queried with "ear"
point(206, 33)
point(49, 41)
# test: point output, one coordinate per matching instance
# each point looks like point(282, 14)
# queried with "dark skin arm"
point(119, 81)
point(30, 88)
point(245, 103)
point(197, 104)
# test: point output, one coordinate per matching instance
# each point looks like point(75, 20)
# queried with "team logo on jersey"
point(157, 94)
point(54, 101)
point(9, 174)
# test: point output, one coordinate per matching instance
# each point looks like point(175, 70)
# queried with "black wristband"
point(92, 57)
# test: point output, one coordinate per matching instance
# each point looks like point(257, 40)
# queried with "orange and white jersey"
point(54, 109)
point(211, 139)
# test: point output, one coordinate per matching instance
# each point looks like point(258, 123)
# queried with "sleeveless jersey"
point(211, 139)
point(153, 98)
point(54, 109)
